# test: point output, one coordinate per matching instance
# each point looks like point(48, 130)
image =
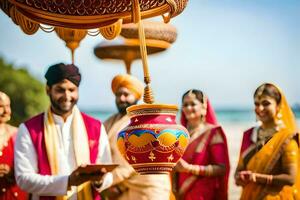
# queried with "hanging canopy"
point(84, 14)
point(159, 37)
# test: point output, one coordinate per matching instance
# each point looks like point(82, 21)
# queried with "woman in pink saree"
point(9, 189)
point(202, 173)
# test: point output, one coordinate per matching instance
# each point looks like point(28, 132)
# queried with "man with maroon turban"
point(51, 145)
point(127, 184)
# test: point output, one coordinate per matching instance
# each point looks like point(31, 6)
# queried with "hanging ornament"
point(72, 38)
point(152, 143)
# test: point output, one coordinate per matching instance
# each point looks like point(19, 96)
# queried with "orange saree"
point(271, 157)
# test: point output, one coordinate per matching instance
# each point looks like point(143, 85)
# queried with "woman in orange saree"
point(202, 173)
point(268, 167)
point(9, 189)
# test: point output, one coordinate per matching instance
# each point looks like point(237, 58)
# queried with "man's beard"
point(122, 107)
point(59, 108)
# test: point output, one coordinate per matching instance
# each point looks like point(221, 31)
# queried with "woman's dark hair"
point(268, 90)
point(199, 94)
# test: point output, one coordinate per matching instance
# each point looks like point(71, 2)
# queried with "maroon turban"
point(58, 72)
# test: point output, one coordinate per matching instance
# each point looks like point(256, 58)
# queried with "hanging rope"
point(136, 17)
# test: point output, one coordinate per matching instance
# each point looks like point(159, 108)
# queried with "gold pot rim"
point(171, 107)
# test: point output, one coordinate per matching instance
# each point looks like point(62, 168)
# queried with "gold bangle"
point(211, 170)
point(269, 179)
point(208, 170)
point(195, 169)
point(192, 169)
point(197, 172)
point(253, 177)
point(201, 170)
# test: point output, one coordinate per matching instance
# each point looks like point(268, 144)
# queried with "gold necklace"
point(197, 130)
point(265, 134)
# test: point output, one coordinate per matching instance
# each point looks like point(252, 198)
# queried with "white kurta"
point(26, 164)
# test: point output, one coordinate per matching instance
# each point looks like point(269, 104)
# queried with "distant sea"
point(223, 115)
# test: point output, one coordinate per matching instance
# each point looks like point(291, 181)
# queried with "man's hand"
point(76, 178)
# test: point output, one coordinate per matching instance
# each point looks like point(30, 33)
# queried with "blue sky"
point(225, 48)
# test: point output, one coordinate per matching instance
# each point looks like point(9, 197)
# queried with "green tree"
point(27, 94)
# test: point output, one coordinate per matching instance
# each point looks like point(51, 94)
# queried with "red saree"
point(201, 151)
point(8, 186)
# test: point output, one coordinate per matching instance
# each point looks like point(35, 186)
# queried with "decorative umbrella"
point(152, 142)
point(159, 37)
point(72, 20)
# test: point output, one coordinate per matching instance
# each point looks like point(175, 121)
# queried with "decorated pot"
point(152, 143)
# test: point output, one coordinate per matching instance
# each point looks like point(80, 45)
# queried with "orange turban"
point(130, 82)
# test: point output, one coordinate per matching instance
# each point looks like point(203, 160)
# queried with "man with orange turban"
point(128, 90)
point(127, 184)
point(129, 82)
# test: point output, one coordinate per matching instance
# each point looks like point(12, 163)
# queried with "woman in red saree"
point(8, 188)
point(268, 167)
point(202, 173)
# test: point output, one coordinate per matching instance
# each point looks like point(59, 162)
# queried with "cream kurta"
point(142, 187)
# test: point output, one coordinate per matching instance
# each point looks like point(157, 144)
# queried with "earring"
point(203, 118)
point(258, 122)
point(279, 122)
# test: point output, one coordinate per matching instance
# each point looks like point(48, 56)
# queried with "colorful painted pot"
point(152, 143)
